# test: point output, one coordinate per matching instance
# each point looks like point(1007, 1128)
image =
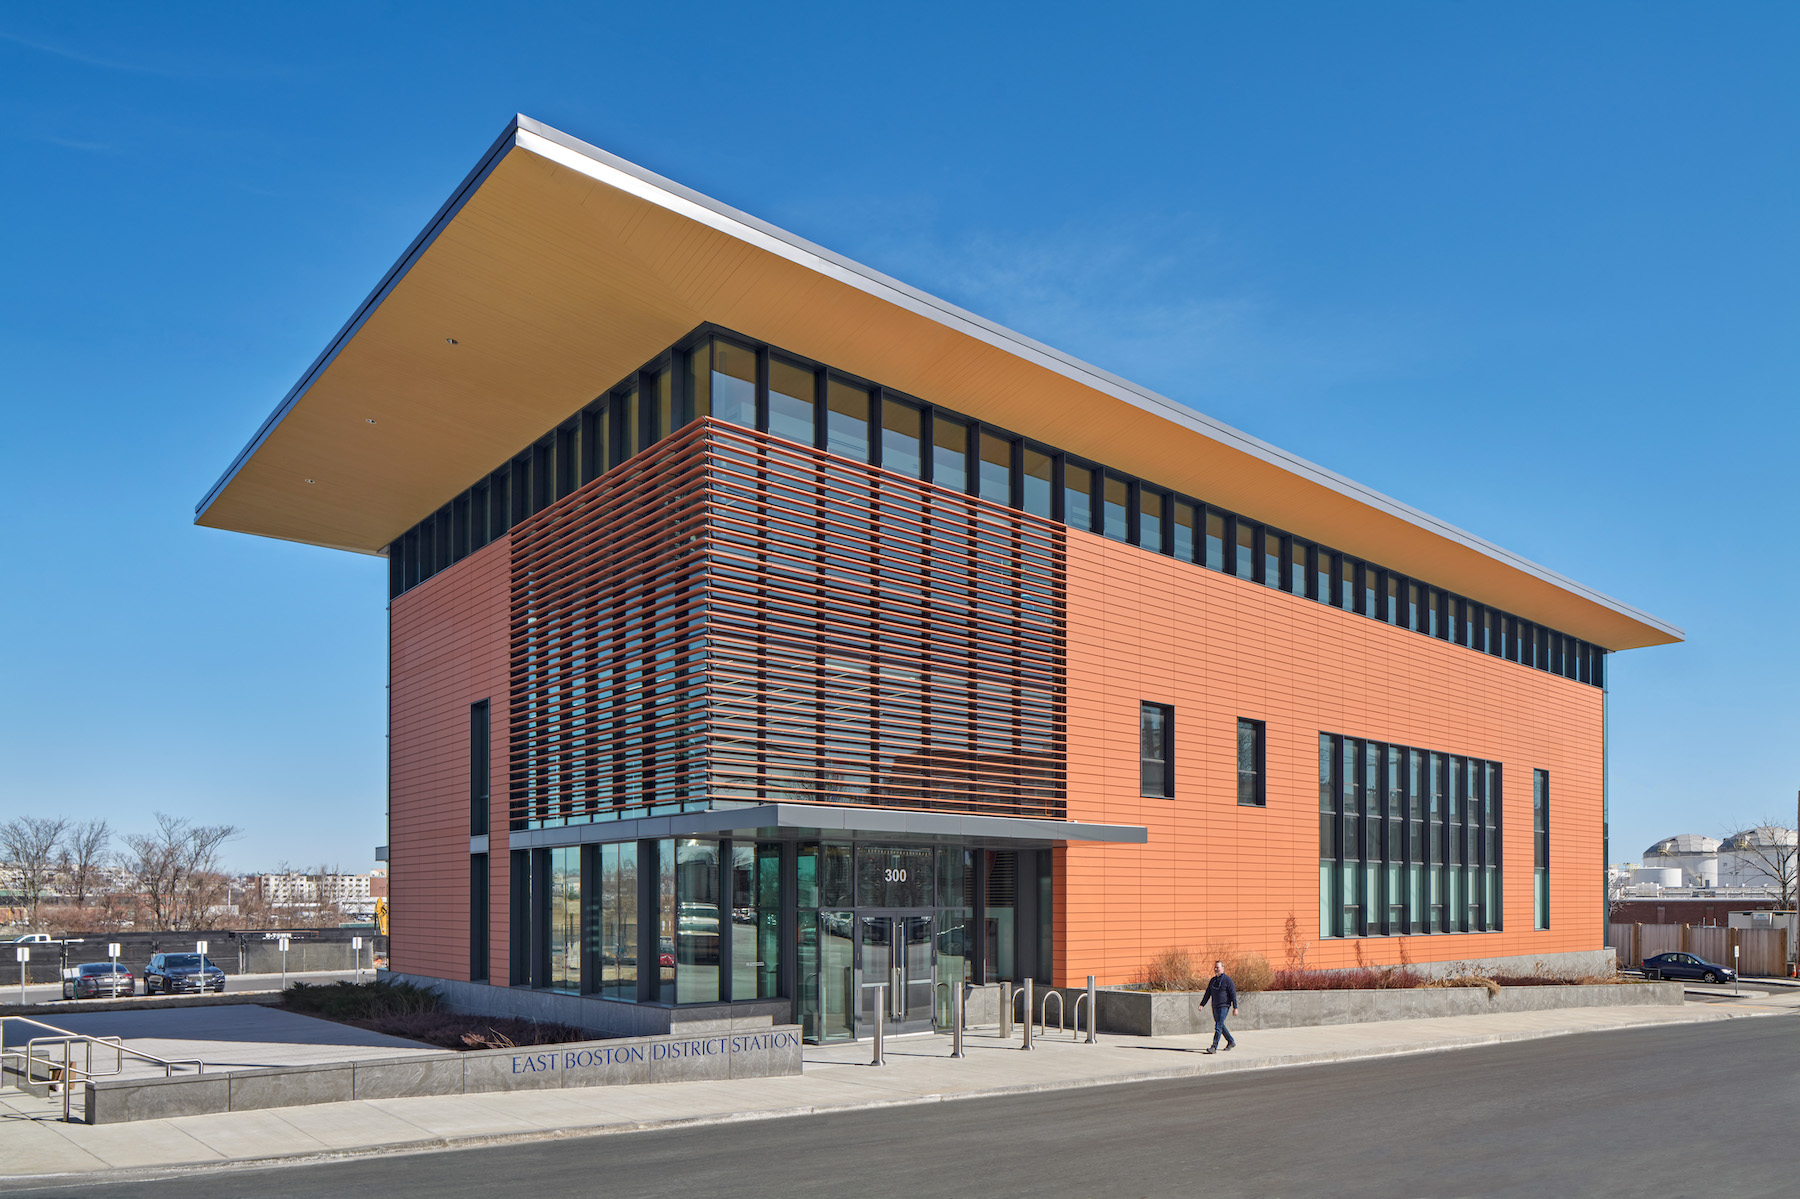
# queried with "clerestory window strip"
point(715, 372)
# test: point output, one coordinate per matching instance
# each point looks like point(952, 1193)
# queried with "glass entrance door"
point(897, 952)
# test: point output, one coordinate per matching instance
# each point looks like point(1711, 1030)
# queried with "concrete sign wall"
point(763, 1052)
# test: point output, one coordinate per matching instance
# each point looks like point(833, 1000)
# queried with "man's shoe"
point(1233, 1045)
point(1209, 1051)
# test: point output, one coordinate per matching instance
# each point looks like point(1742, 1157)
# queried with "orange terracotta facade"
point(1143, 627)
point(448, 648)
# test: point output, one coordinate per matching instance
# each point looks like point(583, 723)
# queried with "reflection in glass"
point(1037, 483)
point(699, 380)
point(900, 450)
point(755, 920)
point(847, 420)
point(1078, 495)
point(791, 401)
point(1215, 540)
point(1150, 519)
point(665, 919)
point(1184, 531)
point(1118, 499)
point(1297, 567)
point(1271, 559)
point(733, 386)
point(949, 453)
point(955, 874)
point(955, 944)
point(697, 921)
point(995, 477)
point(565, 918)
point(615, 920)
point(662, 403)
point(893, 877)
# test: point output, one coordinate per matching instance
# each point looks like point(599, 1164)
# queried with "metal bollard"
point(1006, 994)
point(1093, 1020)
point(1027, 1044)
point(957, 1001)
point(880, 1024)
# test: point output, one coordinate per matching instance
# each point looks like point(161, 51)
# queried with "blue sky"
point(1528, 267)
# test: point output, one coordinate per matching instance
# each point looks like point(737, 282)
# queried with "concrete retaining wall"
point(762, 1052)
point(1172, 1013)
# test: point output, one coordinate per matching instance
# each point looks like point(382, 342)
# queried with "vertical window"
point(755, 920)
point(699, 384)
point(1243, 563)
point(1184, 530)
point(565, 918)
point(791, 401)
point(1250, 763)
point(661, 394)
point(1346, 596)
point(732, 387)
point(1150, 519)
point(994, 477)
point(1540, 842)
point(1215, 540)
point(1156, 776)
point(1330, 906)
point(697, 917)
point(1271, 558)
point(613, 920)
point(1039, 477)
point(847, 420)
point(1078, 495)
point(1324, 571)
point(900, 435)
point(479, 741)
point(1297, 566)
point(949, 452)
point(478, 917)
point(1117, 497)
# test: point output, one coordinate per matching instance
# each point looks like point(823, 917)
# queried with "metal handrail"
point(86, 1073)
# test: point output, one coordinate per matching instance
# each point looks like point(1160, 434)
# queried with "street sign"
point(282, 943)
point(112, 949)
point(199, 946)
point(24, 954)
point(356, 942)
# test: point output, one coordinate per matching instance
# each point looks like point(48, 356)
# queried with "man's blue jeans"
point(1219, 1029)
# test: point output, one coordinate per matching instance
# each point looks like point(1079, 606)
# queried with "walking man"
point(1221, 992)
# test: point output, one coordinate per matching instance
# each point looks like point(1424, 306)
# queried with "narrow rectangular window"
point(1324, 570)
point(1150, 519)
point(1251, 757)
point(1297, 566)
point(847, 420)
point(1156, 774)
point(479, 741)
point(1117, 497)
point(1078, 495)
point(1184, 531)
point(1346, 596)
point(731, 390)
point(994, 472)
point(1215, 540)
point(949, 452)
point(1038, 480)
point(900, 437)
point(478, 917)
point(1540, 839)
point(1243, 563)
point(1271, 558)
point(791, 389)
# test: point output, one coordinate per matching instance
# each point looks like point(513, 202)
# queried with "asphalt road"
point(52, 992)
point(1681, 1111)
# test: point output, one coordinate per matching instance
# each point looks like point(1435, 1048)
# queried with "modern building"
point(771, 639)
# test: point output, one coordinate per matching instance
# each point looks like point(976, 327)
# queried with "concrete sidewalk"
point(836, 1078)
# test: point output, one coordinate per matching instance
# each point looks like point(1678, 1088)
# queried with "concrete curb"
point(1212, 1065)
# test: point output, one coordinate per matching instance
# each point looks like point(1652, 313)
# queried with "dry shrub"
point(1382, 978)
point(1174, 970)
point(1467, 980)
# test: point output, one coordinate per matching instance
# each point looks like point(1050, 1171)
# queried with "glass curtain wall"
point(755, 921)
point(565, 919)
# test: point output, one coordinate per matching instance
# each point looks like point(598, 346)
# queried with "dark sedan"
point(173, 973)
point(1686, 965)
point(91, 980)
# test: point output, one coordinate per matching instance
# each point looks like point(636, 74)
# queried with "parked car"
point(1686, 965)
point(173, 973)
point(91, 980)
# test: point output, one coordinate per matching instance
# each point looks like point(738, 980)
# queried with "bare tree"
point(178, 870)
point(31, 843)
point(84, 853)
point(1771, 851)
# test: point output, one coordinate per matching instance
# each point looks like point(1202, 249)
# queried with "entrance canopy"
point(800, 822)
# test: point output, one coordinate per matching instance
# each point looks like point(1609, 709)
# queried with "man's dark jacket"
point(1221, 992)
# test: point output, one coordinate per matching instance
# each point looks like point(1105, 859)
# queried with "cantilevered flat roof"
point(556, 268)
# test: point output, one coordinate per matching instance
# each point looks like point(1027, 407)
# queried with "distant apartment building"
point(296, 889)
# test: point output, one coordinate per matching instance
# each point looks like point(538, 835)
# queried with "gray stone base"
point(601, 1015)
point(763, 1052)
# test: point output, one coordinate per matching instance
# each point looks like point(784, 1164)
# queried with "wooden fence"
point(1760, 951)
